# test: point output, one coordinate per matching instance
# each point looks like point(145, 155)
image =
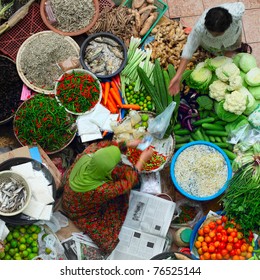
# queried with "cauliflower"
point(226, 71)
point(218, 90)
point(235, 102)
point(235, 83)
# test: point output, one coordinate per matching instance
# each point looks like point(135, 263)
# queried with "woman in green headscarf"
point(97, 188)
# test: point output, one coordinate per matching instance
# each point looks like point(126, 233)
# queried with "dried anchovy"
point(39, 59)
point(72, 15)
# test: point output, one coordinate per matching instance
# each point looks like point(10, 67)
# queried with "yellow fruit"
point(22, 247)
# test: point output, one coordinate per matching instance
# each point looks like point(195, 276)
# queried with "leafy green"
point(239, 122)
point(247, 62)
point(213, 63)
point(223, 114)
point(237, 58)
point(252, 77)
point(255, 91)
point(205, 102)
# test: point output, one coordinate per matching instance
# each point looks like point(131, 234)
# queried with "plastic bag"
point(254, 118)
point(158, 126)
point(70, 63)
point(185, 206)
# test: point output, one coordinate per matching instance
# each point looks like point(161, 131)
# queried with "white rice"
point(201, 170)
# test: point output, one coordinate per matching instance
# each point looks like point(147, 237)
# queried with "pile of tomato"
point(223, 240)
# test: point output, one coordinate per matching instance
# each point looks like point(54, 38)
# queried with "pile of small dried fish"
point(103, 56)
point(72, 15)
point(13, 195)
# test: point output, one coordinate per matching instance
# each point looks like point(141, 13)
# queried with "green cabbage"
point(223, 114)
point(252, 77)
point(247, 62)
point(255, 91)
point(251, 103)
point(239, 122)
point(237, 58)
point(214, 63)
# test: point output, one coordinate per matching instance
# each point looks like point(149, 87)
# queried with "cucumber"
point(212, 139)
point(230, 155)
point(177, 126)
point(218, 139)
point(194, 137)
point(224, 139)
point(216, 133)
point(220, 122)
point(182, 132)
point(182, 139)
point(206, 120)
point(205, 136)
point(213, 126)
point(177, 146)
point(222, 145)
point(199, 135)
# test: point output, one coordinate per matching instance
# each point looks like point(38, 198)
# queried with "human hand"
point(174, 87)
point(133, 143)
point(146, 154)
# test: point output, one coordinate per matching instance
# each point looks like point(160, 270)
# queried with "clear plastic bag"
point(70, 63)
point(158, 126)
point(194, 207)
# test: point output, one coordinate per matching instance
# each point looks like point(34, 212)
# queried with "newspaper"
point(143, 234)
point(80, 247)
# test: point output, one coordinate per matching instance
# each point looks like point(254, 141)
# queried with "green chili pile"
point(155, 161)
point(42, 120)
point(78, 92)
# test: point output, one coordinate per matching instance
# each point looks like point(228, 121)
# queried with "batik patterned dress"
point(100, 213)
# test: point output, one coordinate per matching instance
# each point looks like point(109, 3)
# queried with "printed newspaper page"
point(145, 228)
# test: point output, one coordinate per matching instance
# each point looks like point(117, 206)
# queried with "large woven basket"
point(6, 177)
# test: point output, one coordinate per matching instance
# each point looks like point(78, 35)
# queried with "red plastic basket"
point(105, 3)
point(32, 23)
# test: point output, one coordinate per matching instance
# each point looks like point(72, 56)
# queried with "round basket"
point(85, 72)
point(90, 39)
point(180, 188)
point(9, 177)
point(23, 143)
point(75, 33)
point(162, 146)
point(44, 34)
point(18, 84)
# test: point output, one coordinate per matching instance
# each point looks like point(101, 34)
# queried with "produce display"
point(42, 120)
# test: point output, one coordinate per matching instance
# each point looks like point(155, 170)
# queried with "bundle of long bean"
point(241, 201)
point(42, 120)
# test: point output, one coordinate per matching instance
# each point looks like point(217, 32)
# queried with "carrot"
point(114, 85)
point(106, 91)
point(116, 96)
point(111, 105)
point(131, 106)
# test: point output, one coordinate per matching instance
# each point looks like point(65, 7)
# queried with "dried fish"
point(116, 52)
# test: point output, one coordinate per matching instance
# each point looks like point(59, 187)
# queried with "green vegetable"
point(214, 63)
point(221, 144)
point(230, 155)
point(182, 139)
point(216, 133)
point(237, 58)
point(255, 91)
point(159, 83)
point(223, 114)
point(182, 132)
point(200, 78)
point(205, 136)
point(198, 134)
point(178, 146)
point(206, 120)
point(239, 122)
point(212, 138)
point(226, 71)
point(218, 139)
point(221, 123)
point(167, 83)
point(218, 90)
point(247, 62)
point(213, 126)
point(205, 103)
point(252, 77)
point(177, 126)
point(254, 118)
point(171, 71)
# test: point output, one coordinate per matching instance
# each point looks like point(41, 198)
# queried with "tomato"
point(250, 249)
point(205, 249)
point(219, 236)
point(219, 256)
point(206, 256)
point(248, 255)
point(226, 257)
point(219, 228)
point(238, 252)
point(211, 249)
point(230, 239)
point(200, 252)
point(223, 232)
point(212, 234)
point(200, 232)
point(240, 235)
point(243, 254)
point(206, 229)
point(224, 252)
point(237, 245)
point(213, 256)
point(232, 252)
point(200, 238)
point(235, 239)
point(197, 244)
point(224, 219)
point(242, 258)
point(229, 230)
point(229, 247)
point(235, 257)
point(243, 248)
point(219, 222)
point(202, 257)
point(203, 243)
point(216, 244)
point(212, 225)
point(233, 234)
point(224, 238)
point(207, 239)
point(222, 245)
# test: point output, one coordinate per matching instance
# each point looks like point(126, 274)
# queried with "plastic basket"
point(11, 40)
point(105, 3)
point(161, 9)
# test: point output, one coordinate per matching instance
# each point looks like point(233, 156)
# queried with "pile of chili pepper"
point(155, 162)
point(78, 92)
point(42, 120)
point(187, 214)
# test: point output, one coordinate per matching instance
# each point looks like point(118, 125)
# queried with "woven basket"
point(159, 145)
point(5, 177)
point(20, 57)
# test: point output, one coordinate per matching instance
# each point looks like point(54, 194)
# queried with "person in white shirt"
point(219, 31)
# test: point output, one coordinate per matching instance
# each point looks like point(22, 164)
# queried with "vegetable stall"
point(122, 74)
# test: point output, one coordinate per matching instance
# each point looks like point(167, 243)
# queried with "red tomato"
point(223, 232)
point(200, 238)
point(200, 232)
point(219, 222)
point(200, 252)
point(238, 252)
point(222, 245)
point(229, 247)
point(243, 248)
point(227, 257)
point(213, 256)
point(206, 256)
point(219, 256)
point(240, 235)
point(202, 257)
point(207, 239)
point(212, 225)
point(224, 238)
point(237, 245)
point(211, 249)
point(235, 257)
point(229, 230)
point(206, 229)
point(224, 219)
point(232, 252)
point(219, 228)
point(233, 233)
point(235, 239)
point(216, 244)
point(205, 249)
point(230, 239)
point(212, 234)
point(224, 252)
